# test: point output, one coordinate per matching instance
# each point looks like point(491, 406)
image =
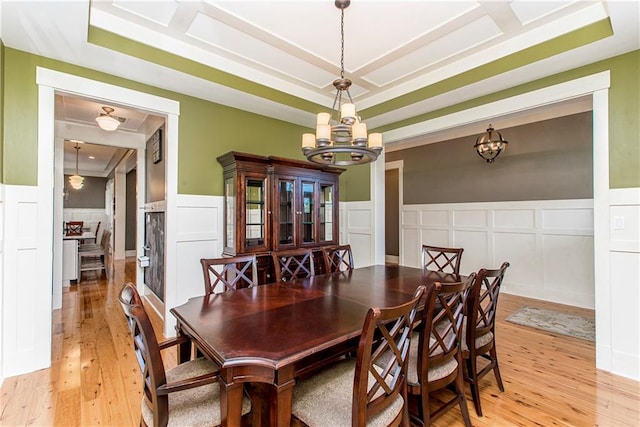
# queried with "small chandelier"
point(76, 181)
point(106, 121)
point(490, 144)
point(341, 137)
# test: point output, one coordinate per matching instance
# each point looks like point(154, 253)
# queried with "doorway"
point(106, 155)
point(393, 210)
point(25, 358)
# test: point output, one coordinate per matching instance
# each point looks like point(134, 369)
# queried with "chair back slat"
point(227, 274)
point(293, 264)
point(440, 338)
point(337, 258)
point(445, 260)
point(147, 351)
point(74, 228)
point(482, 303)
point(383, 354)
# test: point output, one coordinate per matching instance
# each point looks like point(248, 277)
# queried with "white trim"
point(377, 200)
point(86, 87)
point(549, 95)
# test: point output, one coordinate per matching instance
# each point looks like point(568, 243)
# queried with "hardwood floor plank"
point(94, 379)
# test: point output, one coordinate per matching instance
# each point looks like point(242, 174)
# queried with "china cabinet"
point(273, 203)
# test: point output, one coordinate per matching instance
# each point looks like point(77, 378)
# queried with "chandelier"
point(106, 121)
point(76, 180)
point(341, 137)
point(490, 144)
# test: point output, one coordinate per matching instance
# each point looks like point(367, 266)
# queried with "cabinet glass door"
point(255, 212)
point(286, 212)
point(326, 213)
point(308, 212)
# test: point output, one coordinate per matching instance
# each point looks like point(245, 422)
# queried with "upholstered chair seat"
point(198, 406)
point(435, 372)
point(481, 341)
point(325, 399)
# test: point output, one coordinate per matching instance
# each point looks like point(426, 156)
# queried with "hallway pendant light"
point(490, 144)
point(341, 137)
point(76, 181)
point(106, 121)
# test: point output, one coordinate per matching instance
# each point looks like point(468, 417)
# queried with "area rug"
point(555, 321)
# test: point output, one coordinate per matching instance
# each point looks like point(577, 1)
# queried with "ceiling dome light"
point(106, 121)
point(76, 181)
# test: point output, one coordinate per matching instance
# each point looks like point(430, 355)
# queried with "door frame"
point(594, 85)
point(51, 82)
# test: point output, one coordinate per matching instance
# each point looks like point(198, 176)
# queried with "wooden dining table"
point(271, 334)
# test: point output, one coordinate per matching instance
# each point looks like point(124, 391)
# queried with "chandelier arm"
point(337, 102)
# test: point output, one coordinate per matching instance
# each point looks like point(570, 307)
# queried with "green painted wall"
point(206, 130)
point(624, 112)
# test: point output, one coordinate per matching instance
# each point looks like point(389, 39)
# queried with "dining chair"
point(226, 274)
point(435, 361)
point(445, 260)
point(364, 391)
point(93, 257)
point(337, 258)
point(479, 339)
point(293, 264)
point(188, 394)
point(74, 228)
point(91, 239)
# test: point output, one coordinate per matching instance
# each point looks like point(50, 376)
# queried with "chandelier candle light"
point(76, 181)
point(341, 137)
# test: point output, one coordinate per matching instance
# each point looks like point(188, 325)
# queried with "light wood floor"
point(94, 379)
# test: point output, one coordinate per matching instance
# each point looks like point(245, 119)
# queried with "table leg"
point(281, 400)
point(231, 403)
point(184, 350)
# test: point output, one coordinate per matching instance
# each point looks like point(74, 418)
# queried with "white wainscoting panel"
point(356, 229)
point(199, 235)
point(623, 349)
point(26, 309)
point(91, 217)
point(549, 244)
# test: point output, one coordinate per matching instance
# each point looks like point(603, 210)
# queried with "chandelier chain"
point(342, 43)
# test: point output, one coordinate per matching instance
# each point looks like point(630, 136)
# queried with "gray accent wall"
point(90, 196)
point(546, 160)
